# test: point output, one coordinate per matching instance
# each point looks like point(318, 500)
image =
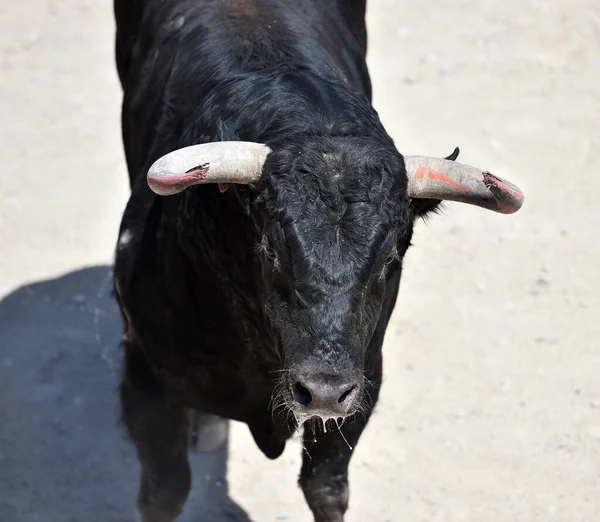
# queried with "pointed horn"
point(444, 179)
point(222, 162)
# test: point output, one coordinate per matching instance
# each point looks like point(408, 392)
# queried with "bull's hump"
point(261, 36)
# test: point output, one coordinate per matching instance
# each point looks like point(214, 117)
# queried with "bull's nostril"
point(323, 394)
point(345, 394)
point(302, 394)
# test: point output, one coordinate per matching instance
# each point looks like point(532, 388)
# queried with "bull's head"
point(334, 220)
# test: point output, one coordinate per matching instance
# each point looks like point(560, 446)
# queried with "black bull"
point(268, 303)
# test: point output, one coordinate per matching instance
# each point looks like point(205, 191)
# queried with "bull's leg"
point(324, 475)
point(158, 426)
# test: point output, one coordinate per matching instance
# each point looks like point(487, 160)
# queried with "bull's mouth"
point(316, 426)
point(318, 423)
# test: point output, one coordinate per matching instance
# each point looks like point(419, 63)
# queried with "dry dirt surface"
point(491, 402)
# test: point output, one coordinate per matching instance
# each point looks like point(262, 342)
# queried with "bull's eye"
point(266, 250)
point(391, 259)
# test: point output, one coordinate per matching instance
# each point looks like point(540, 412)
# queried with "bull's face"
point(334, 222)
point(333, 217)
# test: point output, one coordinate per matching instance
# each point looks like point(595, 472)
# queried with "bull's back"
point(247, 35)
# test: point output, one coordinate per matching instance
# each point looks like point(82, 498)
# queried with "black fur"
point(224, 295)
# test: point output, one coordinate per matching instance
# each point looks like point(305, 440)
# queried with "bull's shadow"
point(63, 455)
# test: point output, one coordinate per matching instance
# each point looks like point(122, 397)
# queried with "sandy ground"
point(491, 403)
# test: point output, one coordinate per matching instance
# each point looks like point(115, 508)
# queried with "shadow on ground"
point(63, 455)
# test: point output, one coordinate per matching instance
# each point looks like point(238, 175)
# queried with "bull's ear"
point(423, 207)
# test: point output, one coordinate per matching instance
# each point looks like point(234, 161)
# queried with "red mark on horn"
point(428, 172)
point(492, 181)
point(174, 182)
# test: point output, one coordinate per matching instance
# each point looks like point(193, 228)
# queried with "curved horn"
point(220, 162)
point(444, 179)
